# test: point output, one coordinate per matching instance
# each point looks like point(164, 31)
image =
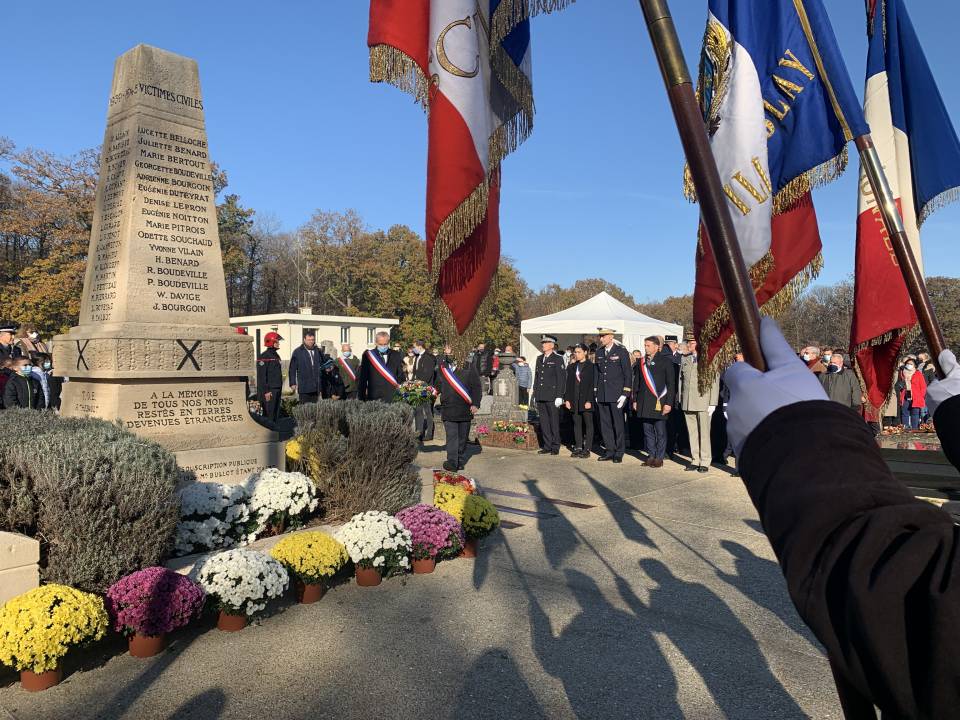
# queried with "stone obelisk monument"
point(154, 347)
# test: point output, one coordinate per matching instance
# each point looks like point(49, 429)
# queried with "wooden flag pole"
point(893, 223)
point(714, 209)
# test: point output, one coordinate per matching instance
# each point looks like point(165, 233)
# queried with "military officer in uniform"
point(614, 378)
point(270, 377)
point(549, 383)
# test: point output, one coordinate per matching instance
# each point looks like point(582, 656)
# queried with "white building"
point(360, 332)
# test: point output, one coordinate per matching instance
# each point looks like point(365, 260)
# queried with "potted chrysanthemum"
point(377, 543)
point(240, 583)
point(312, 558)
point(280, 500)
point(40, 626)
point(450, 498)
point(146, 605)
point(480, 518)
point(433, 534)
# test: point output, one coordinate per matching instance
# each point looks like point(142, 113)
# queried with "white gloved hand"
point(558, 402)
point(940, 390)
point(754, 395)
point(621, 401)
point(710, 409)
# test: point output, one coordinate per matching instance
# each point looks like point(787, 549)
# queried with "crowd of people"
point(26, 369)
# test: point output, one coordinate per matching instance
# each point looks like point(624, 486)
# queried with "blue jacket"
point(524, 375)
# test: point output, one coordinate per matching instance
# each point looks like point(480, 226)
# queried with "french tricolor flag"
point(920, 152)
point(468, 63)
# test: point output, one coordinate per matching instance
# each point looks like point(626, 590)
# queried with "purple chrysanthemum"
point(433, 532)
point(153, 601)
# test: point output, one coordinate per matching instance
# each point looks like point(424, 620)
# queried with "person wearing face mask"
point(524, 380)
point(912, 393)
point(424, 368)
point(811, 356)
point(347, 372)
point(41, 366)
point(460, 394)
point(29, 341)
point(22, 389)
point(841, 384)
point(579, 399)
point(381, 371)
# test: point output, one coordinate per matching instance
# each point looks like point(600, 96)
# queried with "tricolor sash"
point(651, 386)
point(382, 368)
point(346, 366)
point(454, 382)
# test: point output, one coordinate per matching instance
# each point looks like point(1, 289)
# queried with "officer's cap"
point(8, 326)
point(670, 338)
point(606, 331)
point(548, 338)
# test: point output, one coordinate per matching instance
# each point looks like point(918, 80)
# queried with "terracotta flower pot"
point(35, 682)
point(308, 593)
point(144, 646)
point(367, 577)
point(229, 622)
point(469, 548)
point(424, 566)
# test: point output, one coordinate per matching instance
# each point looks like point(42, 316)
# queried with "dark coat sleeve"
point(947, 423)
point(627, 369)
point(474, 387)
point(671, 377)
point(873, 571)
point(11, 398)
point(293, 368)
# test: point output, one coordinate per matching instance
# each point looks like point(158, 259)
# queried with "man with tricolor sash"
point(460, 394)
point(381, 371)
point(655, 383)
point(348, 369)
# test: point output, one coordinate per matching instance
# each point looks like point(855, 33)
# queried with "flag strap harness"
point(651, 386)
point(454, 381)
point(349, 370)
point(382, 368)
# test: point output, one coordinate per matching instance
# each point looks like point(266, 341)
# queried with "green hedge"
point(360, 455)
point(101, 500)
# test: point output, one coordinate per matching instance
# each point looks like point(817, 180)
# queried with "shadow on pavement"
point(738, 675)
point(621, 511)
point(559, 535)
point(762, 581)
point(207, 705)
point(494, 682)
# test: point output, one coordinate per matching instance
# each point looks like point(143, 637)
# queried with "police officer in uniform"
point(614, 378)
point(270, 377)
point(549, 383)
point(9, 350)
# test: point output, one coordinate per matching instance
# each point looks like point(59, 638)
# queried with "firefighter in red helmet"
point(270, 377)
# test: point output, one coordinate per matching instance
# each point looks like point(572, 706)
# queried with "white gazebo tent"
point(580, 322)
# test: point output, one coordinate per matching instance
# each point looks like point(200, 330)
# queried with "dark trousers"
point(611, 429)
point(423, 421)
point(655, 438)
point(457, 434)
point(309, 397)
point(583, 430)
point(270, 409)
point(549, 425)
point(524, 396)
point(351, 395)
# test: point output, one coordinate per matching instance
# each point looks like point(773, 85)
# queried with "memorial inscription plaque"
point(154, 348)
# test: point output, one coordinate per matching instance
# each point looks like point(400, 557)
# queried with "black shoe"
point(618, 460)
point(604, 458)
point(691, 468)
point(576, 453)
point(449, 466)
point(543, 451)
point(702, 469)
point(585, 454)
point(554, 452)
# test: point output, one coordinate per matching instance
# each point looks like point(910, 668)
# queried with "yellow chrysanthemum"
point(311, 556)
point(450, 499)
point(40, 626)
point(293, 450)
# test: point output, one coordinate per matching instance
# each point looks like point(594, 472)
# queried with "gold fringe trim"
point(511, 13)
point(909, 333)
point(395, 67)
point(936, 203)
point(458, 226)
point(774, 307)
point(802, 184)
point(462, 344)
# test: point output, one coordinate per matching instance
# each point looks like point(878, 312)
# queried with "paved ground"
point(660, 600)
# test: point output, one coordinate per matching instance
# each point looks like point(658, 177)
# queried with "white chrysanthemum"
point(376, 539)
point(242, 580)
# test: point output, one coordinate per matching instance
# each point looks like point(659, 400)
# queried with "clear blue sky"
point(293, 119)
